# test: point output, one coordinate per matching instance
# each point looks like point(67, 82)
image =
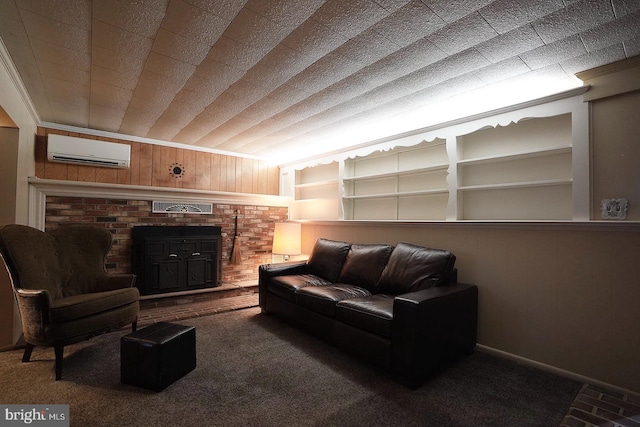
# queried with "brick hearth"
point(597, 406)
point(227, 297)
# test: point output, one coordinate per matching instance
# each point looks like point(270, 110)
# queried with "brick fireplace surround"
point(255, 228)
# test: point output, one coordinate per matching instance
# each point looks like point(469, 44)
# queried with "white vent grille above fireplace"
point(182, 207)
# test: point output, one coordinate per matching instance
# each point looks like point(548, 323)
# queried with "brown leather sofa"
point(399, 307)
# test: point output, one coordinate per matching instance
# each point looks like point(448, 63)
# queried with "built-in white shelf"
point(524, 184)
point(516, 156)
point(522, 164)
point(400, 183)
point(441, 167)
point(316, 192)
point(514, 172)
point(317, 184)
point(399, 194)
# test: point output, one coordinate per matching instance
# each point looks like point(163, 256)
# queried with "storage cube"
point(158, 355)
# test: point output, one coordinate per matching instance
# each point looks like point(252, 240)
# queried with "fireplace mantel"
point(39, 189)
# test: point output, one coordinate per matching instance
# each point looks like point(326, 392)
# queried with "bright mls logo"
point(34, 415)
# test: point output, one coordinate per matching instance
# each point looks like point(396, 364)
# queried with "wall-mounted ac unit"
point(66, 149)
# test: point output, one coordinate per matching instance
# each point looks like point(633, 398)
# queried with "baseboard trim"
point(554, 370)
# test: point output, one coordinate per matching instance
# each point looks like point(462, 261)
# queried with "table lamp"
point(286, 239)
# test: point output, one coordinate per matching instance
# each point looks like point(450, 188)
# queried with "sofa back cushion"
point(412, 268)
point(364, 265)
point(326, 258)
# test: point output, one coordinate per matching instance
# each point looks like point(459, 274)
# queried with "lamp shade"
point(286, 239)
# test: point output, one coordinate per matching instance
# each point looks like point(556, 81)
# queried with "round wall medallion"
point(176, 170)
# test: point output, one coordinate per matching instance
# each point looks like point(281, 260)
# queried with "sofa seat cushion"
point(372, 313)
point(323, 299)
point(286, 286)
point(79, 306)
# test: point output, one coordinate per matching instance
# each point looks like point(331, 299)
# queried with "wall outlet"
point(613, 208)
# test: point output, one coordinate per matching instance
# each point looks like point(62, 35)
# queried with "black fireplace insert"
point(176, 258)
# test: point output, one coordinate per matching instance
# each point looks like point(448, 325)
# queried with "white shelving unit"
point(404, 183)
point(522, 171)
point(523, 163)
point(317, 193)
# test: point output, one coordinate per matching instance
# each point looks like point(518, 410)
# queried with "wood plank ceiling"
point(286, 78)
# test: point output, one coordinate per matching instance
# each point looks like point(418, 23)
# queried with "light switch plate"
point(614, 208)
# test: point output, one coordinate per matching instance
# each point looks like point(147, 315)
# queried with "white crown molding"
point(612, 79)
point(604, 70)
point(7, 63)
point(39, 189)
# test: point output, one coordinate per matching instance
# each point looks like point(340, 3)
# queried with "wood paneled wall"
point(151, 166)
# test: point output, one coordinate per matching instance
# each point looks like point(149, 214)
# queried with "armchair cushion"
point(79, 306)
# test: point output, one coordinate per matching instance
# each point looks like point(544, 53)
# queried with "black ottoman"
point(157, 355)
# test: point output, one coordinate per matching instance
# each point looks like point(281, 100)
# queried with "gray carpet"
point(255, 370)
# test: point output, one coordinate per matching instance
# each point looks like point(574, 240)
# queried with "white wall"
point(18, 163)
point(16, 104)
point(564, 295)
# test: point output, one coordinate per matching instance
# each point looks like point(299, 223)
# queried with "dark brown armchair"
point(63, 291)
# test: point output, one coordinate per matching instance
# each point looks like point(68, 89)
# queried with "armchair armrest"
point(432, 325)
point(34, 306)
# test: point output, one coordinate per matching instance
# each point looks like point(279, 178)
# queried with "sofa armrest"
point(267, 271)
point(431, 326)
